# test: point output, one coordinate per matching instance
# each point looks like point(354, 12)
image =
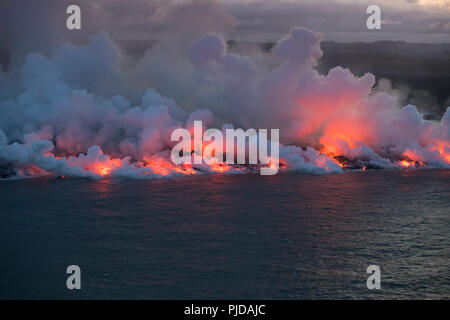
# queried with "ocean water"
point(289, 236)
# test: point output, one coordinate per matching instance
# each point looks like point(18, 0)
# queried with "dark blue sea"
point(288, 236)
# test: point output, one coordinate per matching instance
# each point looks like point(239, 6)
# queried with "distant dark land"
point(424, 69)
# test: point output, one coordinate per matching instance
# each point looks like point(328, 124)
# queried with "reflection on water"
point(228, 236)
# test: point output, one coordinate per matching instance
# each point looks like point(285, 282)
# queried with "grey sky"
point(342, 20)
point(40, 25)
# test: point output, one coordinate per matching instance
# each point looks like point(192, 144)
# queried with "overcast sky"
point(343, 20)
point(41, 24)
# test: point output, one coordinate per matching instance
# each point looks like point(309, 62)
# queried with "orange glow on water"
point(338, 142)
point(406, 163)
point(164, 167)
point(104, 168)
point(220, 168)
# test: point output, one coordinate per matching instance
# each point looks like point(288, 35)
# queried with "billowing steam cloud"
point(76, 112)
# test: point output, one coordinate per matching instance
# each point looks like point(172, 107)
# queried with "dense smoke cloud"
point(40, 26)
point(86, 110)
